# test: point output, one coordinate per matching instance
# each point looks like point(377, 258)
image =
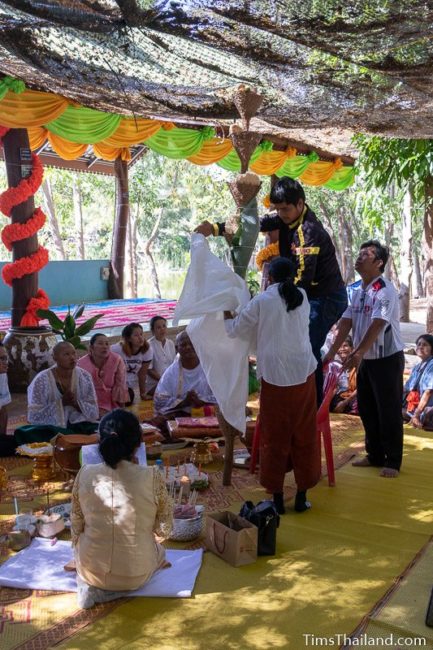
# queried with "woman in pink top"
point(108, 373)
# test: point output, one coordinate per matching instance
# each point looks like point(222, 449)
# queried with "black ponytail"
point(282, 270)
point(120, 434)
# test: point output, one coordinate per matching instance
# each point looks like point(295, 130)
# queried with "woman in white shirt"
point(163, 349)
point(277, 320)
point(137, 355)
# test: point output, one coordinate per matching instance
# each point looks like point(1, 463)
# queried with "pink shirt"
point(109, 381)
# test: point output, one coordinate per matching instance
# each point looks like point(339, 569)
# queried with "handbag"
point(264, 515)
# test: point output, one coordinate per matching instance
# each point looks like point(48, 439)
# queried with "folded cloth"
point(40, 566)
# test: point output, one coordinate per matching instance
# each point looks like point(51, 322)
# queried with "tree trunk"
point(16, 149)
point(117, 262)
point(417, 283)
point(52, 220)
point(149, 256)
point(406, 256)
point(78, 217)
point(131, 257)
point(347, 263)
point(428, 250)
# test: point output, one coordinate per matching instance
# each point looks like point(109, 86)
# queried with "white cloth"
point(210, 288)
point(5, 396)
point(45, 400)
point(378, 300)
point(284, 354)
point(176, 382)
point(133, 363)
point(40, 566)
point(90, 455)
point(163, 357)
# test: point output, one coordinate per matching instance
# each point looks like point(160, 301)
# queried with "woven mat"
point(37, 620)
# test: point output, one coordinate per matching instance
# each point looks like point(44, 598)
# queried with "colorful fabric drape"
point(71, 128)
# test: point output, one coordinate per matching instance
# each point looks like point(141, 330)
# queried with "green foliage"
point(387, 161)
point(68, 328)
point(253, 282)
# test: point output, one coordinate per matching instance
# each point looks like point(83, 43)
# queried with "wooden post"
point(117, 264)
point(16, 148)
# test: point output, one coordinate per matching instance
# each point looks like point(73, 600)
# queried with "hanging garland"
point(13, 232)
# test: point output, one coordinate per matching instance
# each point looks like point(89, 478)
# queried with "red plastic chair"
point(323, 426)
point(322, 420)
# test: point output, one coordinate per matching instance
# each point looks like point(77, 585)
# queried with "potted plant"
point(68, 328)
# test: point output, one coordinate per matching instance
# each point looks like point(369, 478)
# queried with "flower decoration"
point(13, 232)
point(266, 254)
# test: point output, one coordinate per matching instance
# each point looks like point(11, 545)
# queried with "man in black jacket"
point(303, 238)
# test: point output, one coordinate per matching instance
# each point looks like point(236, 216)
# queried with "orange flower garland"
point(19, 231)
point(266, 253)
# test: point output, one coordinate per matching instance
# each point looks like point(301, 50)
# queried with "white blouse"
point(284, 354)
point(133, 363)
point(163, 357)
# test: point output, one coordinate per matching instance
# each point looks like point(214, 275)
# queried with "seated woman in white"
point(164, 352)
point(117, 508)
point(137, 355)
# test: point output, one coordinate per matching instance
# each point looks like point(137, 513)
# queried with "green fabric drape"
point(231, 162)
point(294, 167)
point(179, 143)
point(341, 179)
point(84, 125)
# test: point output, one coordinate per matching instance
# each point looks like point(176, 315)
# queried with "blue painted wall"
point(66, 283)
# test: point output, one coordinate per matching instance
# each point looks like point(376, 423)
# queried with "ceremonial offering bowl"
point(42, 468)
point(201, 453)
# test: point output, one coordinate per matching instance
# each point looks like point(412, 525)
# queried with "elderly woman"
point(277, 321)
point(137, 355)
point(108, 372)
point(418, 400)
point(117, 507)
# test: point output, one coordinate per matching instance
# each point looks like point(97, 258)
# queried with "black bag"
point(264, 515)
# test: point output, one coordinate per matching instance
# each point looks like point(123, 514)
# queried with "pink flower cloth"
point(109, 381)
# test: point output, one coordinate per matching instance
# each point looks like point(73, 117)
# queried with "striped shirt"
point(379, 300)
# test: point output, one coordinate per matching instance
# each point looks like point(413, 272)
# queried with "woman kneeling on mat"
point(117, 506)
point(279, 319)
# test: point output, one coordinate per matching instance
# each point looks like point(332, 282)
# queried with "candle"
point(185, 486)
point(16, 505)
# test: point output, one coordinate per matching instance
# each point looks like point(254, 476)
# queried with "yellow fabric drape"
point(37, 136)
point(131, 132)
point(65, 149)
point(211, 152)
point(106, 152)
point(320, 172)
point(31, 108)
point(269, 162)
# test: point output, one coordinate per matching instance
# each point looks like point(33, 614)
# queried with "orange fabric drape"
point(320, 172)
point(106, 152)
point(31, 108)
point(37, 136)
point(65, 149)
point(131, 132)
point(212, 151)
point(269, 162)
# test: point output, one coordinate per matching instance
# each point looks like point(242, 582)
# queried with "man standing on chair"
point(373, 315)
point(303, 239)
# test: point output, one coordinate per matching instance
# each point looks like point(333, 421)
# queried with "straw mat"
point(37, 620)
point(333, 564)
